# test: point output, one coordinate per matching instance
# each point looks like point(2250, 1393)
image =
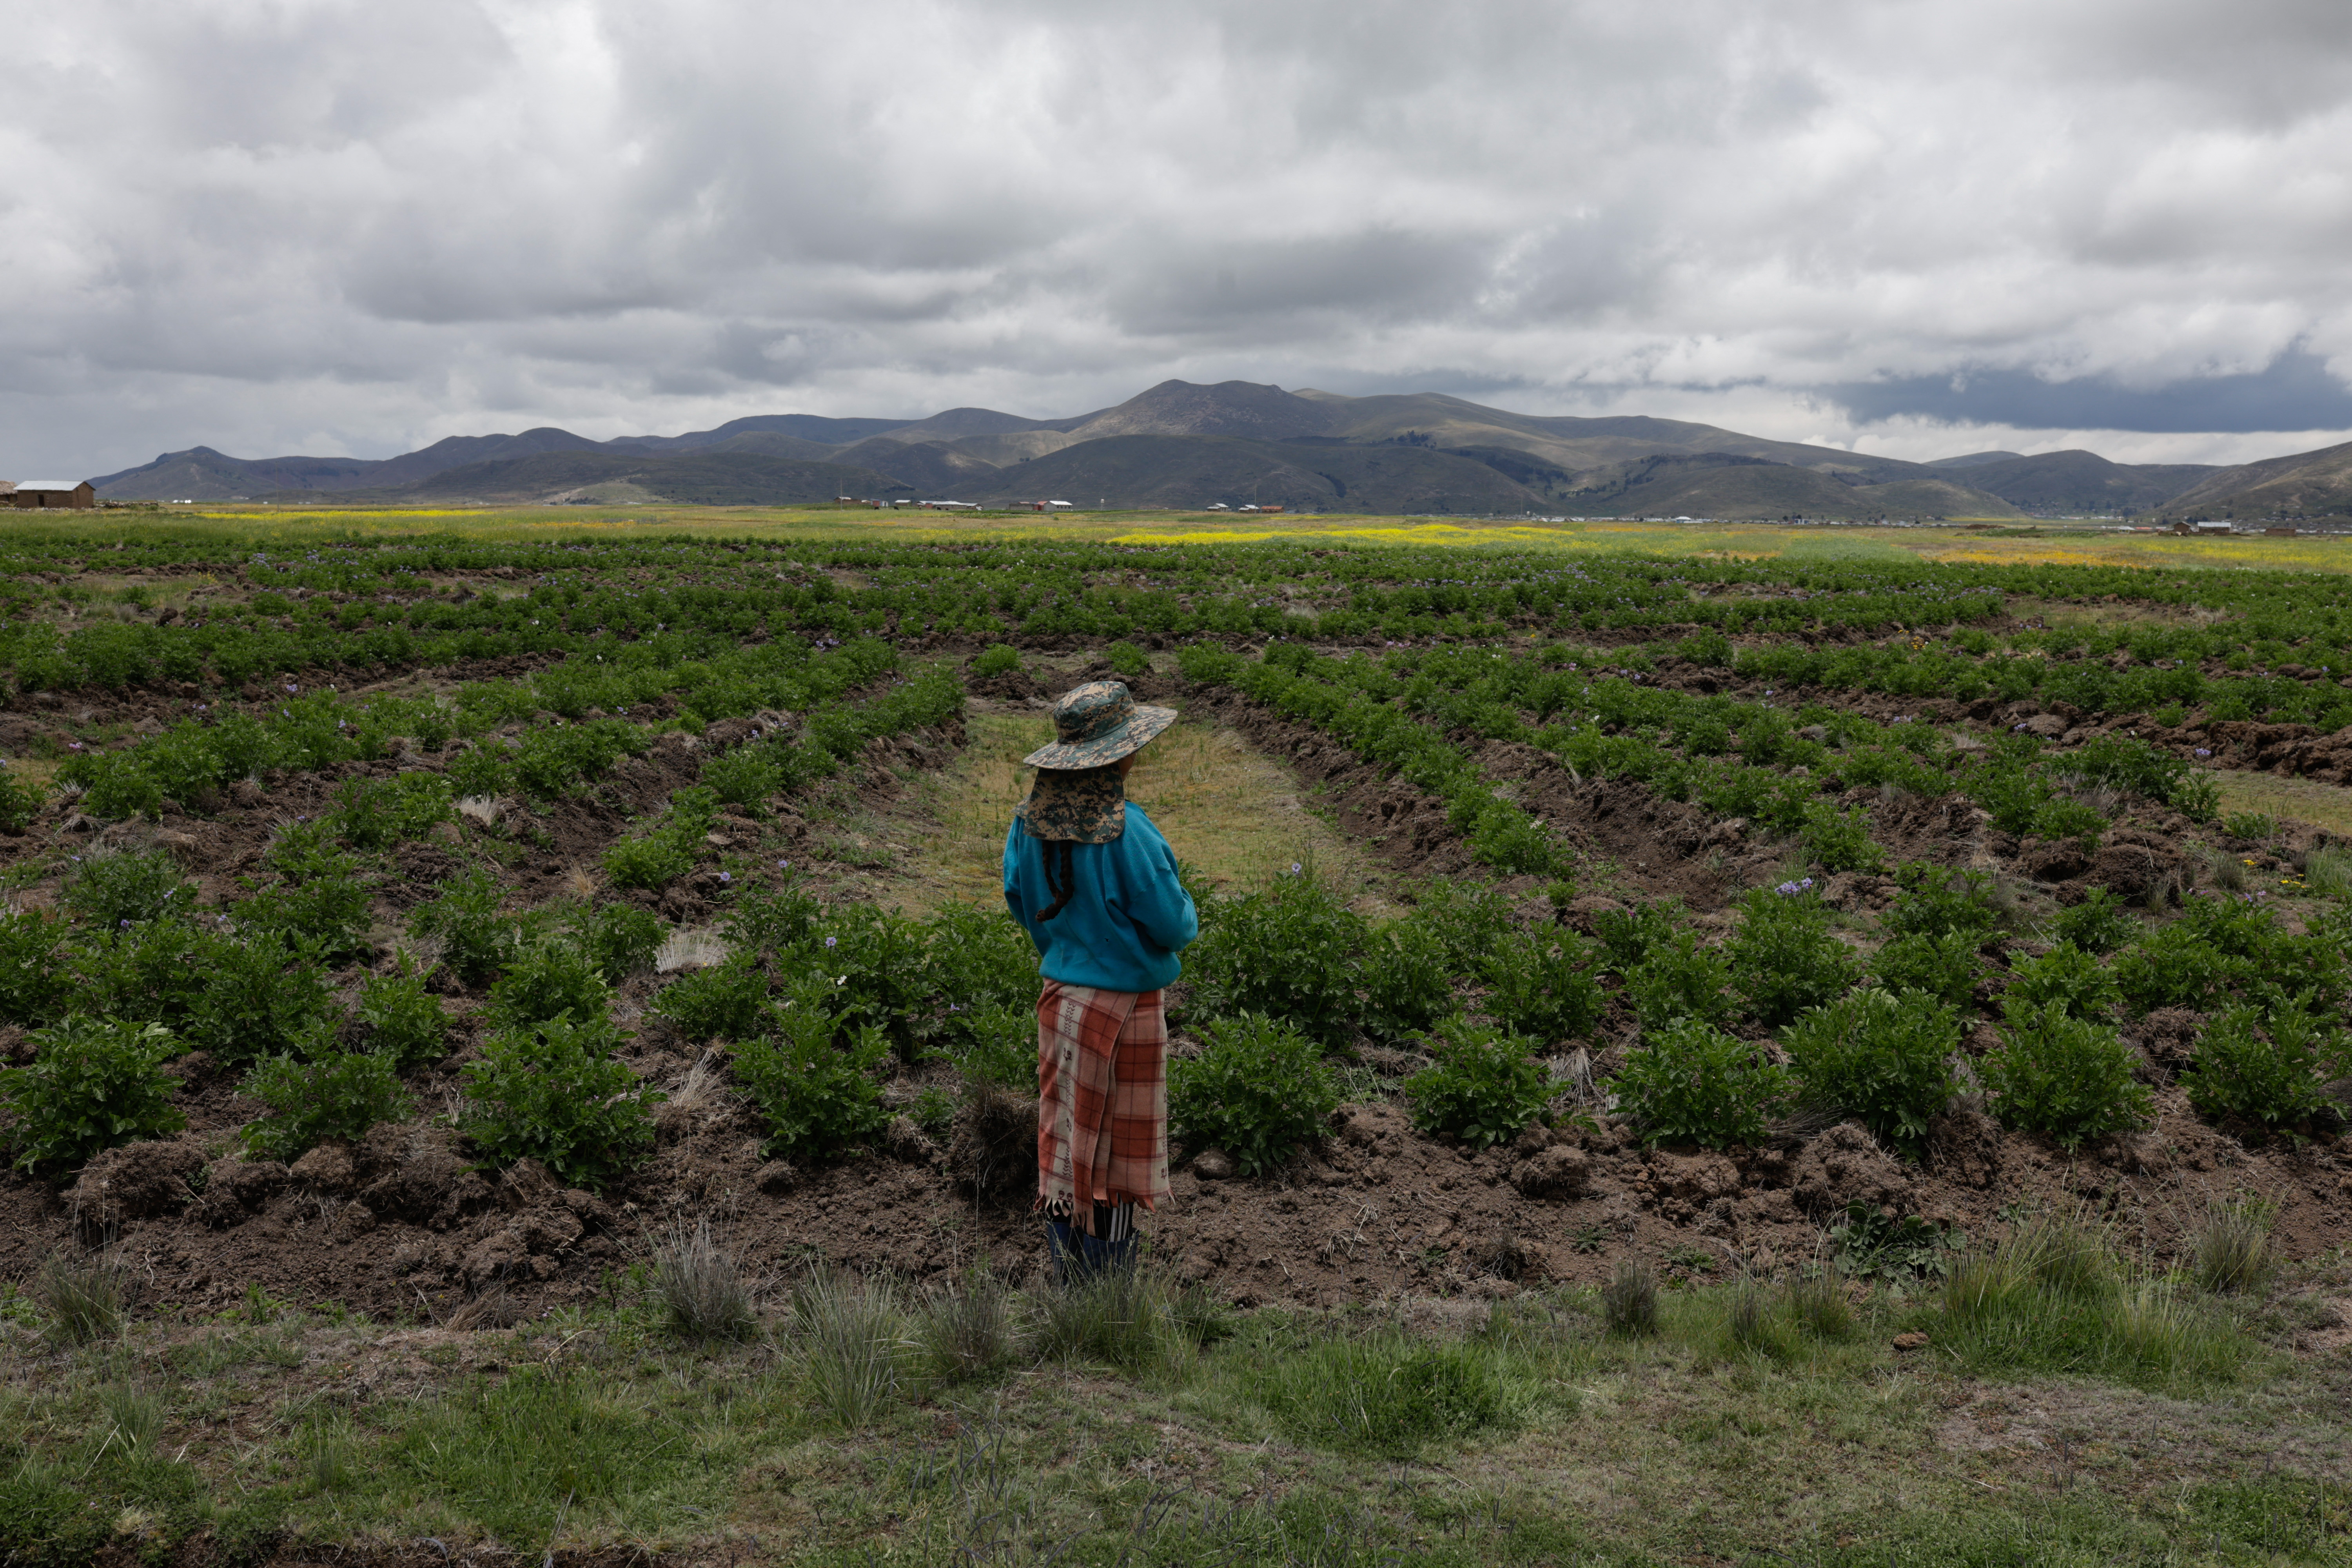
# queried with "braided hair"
point(1058, 847)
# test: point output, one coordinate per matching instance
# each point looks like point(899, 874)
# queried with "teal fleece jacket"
point(1122, 929)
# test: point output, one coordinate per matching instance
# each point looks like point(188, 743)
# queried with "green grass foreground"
point(2063, 1410)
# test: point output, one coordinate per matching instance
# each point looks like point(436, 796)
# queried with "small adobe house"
point(79, 494)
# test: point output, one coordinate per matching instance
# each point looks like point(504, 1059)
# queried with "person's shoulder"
point(1142, 836)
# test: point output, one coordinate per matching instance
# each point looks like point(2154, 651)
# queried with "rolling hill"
point(693, 478)
point(2073, 482)
point(1197, 471)
point(1721, 485)
point(2304, 484)
point(202, 474)
point(934, 467)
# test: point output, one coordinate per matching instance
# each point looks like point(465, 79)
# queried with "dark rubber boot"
point(1077, 1257)
point(1062, 1250)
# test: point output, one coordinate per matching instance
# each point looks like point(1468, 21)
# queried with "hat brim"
point(1141, 728)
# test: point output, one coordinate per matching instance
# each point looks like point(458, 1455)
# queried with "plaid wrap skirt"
point(1102, 1101)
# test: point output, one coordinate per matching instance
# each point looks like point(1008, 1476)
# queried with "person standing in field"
point(1095, 884)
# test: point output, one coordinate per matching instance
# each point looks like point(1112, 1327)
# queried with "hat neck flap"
point(1079, 806)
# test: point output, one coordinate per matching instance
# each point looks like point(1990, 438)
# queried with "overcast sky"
point(1919, 229)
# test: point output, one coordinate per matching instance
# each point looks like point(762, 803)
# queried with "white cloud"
point(281, 224)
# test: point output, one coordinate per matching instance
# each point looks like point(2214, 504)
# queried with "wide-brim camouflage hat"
point(1099, 722)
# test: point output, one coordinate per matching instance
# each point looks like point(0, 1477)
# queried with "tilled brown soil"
point(406, 1224)
point(403, 1225)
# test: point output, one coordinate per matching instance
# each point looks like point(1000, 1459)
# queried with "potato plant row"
point(1751, 759)
point(369, 606)
point(575, 735)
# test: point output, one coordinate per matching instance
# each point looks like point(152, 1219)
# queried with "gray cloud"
point(2295, 392)
point(326, 225)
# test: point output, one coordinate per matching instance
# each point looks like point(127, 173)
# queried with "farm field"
point(1958, 541)
point(1711, 1045)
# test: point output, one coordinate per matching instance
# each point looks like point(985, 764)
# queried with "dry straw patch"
point(1225, 808)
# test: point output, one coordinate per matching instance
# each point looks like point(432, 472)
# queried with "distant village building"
point(79, 494)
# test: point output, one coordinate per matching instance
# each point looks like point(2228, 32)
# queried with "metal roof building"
point(79, 494)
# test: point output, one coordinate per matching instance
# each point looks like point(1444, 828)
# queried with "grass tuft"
point(329, 1458)
point(854, 1335)
point(2230, 1249)
point(134, 1418)
point(703, 1294)
point(2068, 1257)
point(492, 1308)
point(1819, 1307)
point(1751, 1321)
point(2225, 871)
point(967, 1327)
point(2328, 872)
point(82, 1295)
point(1629, 1301)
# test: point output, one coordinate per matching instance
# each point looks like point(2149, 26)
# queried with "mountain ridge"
point(1476, 458)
